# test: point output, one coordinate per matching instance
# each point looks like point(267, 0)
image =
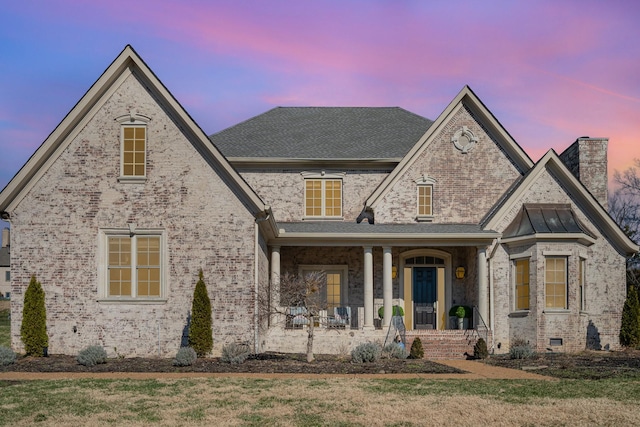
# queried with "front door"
point(425, 287)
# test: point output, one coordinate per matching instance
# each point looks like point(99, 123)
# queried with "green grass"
point(5, 328)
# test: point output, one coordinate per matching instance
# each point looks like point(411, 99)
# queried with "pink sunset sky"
point(550, 71)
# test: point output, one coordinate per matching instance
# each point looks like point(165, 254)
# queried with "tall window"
point(425, 207)
point(581, 282)
point(323, 197)
point(522, 284)
point(7, 276)
point(134, 142)
point(555, 282)
point(134, 266)
point(333, 293)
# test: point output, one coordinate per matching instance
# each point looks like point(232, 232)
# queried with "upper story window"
point(522, 284)
point(425, 186)
point(322, 195)
point(133, 265)
point(133, 147)
point(555, 282)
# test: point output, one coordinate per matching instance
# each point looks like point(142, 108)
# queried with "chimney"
point(587, 160)
point(5, 237)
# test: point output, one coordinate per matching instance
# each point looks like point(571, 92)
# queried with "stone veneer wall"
point(56, 227)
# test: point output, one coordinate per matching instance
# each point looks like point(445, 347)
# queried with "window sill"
point(323, 218)
point(561, 311)
point(132, 301)
point(424, 218)
point(519, 313)
point(132, 179)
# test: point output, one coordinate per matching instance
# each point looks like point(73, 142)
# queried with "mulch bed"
point(261, 363)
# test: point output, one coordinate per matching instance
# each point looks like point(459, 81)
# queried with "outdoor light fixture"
point(460, 273)
point(394, 272)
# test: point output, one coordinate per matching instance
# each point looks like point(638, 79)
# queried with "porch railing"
point(481, 327)
point(336, 317)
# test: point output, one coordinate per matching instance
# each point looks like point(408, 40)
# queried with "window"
point(555, 281)
point(133, 266)
point(323, 197)
point(522, 284)
point(581, 282)
point(425, 186)
point(134, 142)
point(7, 276)
point(334, 293)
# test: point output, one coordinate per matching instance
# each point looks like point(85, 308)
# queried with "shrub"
point(394, 351)
point(92, 355)
point(200, 332)
point(480, 350)
point(366, 353)
point(521, 349)
point(235, 353)
point(33, 330)
point(466, 311)
point(630, 326)
point(416, 352)
point(396, 310)
point(7, 356)
point(186, 356)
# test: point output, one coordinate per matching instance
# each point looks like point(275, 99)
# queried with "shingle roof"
point(324, 133)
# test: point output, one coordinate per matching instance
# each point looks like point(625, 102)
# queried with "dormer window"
point(133, 147)
point(425, 186)
point(322, 195)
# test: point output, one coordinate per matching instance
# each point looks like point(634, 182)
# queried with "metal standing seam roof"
point(324, 133)
point(545, 218)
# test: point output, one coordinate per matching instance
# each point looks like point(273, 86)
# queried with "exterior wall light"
point(460, 273)
point(394, 272)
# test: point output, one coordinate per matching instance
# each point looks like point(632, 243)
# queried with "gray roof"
point(545, 218)
point(324, 133)
point(4, 257)
point(340, 227)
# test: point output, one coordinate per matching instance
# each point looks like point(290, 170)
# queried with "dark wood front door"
point(425, 285)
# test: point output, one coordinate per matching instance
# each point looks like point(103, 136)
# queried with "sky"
point(550, 71)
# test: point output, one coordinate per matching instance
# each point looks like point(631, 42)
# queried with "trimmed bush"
point(416, 352)
point(92, 355)
point(33, 330)
point(480, 350)
point(396, 310)
point(235, 353)
point(394, 351)
point(7, 356)
point(200, 332)
point(454, 311)
point(186, 356)
point(521, 349)
point(630, 326)
point(366, 353)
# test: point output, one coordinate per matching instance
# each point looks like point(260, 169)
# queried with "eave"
point(384, 239)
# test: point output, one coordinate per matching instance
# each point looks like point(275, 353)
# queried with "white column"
point(368, 288)
point(482, 285)
point(274, 297)
point(387, 288)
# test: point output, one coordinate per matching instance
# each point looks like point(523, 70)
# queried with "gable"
point(471, 166)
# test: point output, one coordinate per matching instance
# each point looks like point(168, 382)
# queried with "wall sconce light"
point(394, 272)
point(460, 273)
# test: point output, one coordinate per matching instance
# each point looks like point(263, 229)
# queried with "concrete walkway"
point(473, 371)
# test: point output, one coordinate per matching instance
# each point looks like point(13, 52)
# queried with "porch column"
point(387, 288)
point(274, 294)
point(368, 288)
point(482, 284)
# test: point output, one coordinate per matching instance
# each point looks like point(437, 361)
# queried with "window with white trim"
point(581, 283)
point(522, 284)
point(334, 291)
point(424, 186)
point(7, 276)
point(133, 147)
point(133, 265)
point(555, 282)
point(322, 195)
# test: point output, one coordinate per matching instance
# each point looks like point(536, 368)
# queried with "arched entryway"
point(426, 288)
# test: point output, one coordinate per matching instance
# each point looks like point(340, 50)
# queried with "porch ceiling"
point(337, 233)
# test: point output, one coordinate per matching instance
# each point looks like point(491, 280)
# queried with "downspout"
point(256, 278)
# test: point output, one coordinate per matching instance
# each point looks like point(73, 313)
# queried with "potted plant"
point(397, 311)
point(461, 312)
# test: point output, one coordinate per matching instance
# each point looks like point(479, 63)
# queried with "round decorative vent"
point(464, 140)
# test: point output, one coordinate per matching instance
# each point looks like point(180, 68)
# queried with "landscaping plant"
point(186, 356)
point(7, 356)
point(368, 352)
point(200, 330)
point(416, 352)
point(480, 350)
point(630, 327)
point(235, 353)
point(92, 355)
point(33, 330)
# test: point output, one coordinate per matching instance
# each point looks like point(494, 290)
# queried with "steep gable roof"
point(323, 133)
point(127, 62)
point(466, 97)
point(585, 200)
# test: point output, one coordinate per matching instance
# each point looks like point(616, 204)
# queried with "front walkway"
point(473, 371)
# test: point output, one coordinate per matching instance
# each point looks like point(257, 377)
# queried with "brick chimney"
point(5, 237)
point(587, 160)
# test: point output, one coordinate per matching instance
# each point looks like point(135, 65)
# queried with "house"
point(5, 270)
point(128, 199)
